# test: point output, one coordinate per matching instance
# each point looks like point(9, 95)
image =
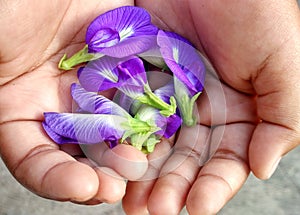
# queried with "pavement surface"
point(279, 195)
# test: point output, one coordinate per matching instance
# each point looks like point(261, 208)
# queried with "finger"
point(278, 89)
point(126, 160)
point(135, 201)
point(41, 167)
point(111, 185)
point(225, 173)
point(138, 192)
point(180, 171)
point(72, 149)
point(269, 144)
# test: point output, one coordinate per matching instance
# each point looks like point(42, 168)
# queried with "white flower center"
point(110, 76)
point(126, 32)
point(176, 54)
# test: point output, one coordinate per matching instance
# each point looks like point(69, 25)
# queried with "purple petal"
point(56, 137)
point(103, 38)
point(169, 125)
point(165, 92)
point(94, 103)
point(130, 104)
point(153, 56)
point(111, 32)
point(128, 75)
point(131, 46)
point(83, 128)
point(183, 60)
point(173, 123)
point(133, 77)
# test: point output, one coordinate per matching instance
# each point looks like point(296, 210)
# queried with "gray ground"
point(278, 196)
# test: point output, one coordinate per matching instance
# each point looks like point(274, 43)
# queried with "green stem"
point(186, 107)
point(152, 100)
point(139, 126)
point(81, 56)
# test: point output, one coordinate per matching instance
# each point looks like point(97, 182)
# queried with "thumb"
point(278, 106)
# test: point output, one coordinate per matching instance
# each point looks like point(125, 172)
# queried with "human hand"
point(254, 46)
point(34, 36)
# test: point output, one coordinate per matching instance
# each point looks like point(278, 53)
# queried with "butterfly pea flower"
point(127, 75)
point(169, 125)
point(174, 121)
point(103, 121)
point(154, 57)
point(132, 105)
point(91, 102)
point(98, 104)
point(121, 32)
point(188, 69)
point(83, 128)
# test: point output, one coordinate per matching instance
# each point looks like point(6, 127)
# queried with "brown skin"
point(254, 47)
point(35, 34)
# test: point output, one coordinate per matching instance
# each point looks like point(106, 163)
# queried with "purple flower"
point(121, 32)
point(174, 121)
point(128, 75)
point(83, 128)
point(102, 120)
point(93, 103)
point(183, 60)
point(169, 125)
point(131, 105)
point(188, 69)
point(166, 91)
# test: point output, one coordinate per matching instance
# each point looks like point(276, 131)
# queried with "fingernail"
point(274, 167)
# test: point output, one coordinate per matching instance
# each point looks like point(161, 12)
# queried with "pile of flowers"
point(121, 45)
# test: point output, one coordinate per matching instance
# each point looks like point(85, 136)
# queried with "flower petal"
point(128, 22)
point(103, 38)
point(107, 72)
point(168, 125)
point(165, 92)
point(133, 77)
point(173, 124)
point(130, 104)
point(154, 57)
point(131, 46)
point(99, 75)
point(95, 103)
point(83, 128)
point(183, 60)
point(56, 137)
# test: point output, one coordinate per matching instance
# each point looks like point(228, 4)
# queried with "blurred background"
point(279, 195)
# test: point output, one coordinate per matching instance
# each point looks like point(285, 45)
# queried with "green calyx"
point(145, 142)
point(186, 107)
point(152, 100)
point(81, 56)
point(141, 134)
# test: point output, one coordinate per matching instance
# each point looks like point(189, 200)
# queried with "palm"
point(31, 84)
point(218, 145)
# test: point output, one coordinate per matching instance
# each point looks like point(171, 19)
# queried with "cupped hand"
point(34, 36)
point(250, 118)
